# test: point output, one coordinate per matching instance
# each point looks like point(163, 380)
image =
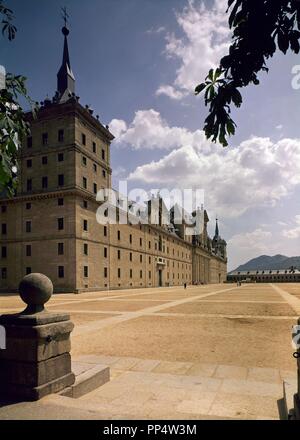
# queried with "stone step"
point(166, 396)
point(88, 377)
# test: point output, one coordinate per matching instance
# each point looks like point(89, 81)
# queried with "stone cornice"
point(53, 110)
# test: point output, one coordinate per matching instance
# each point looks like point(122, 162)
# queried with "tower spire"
point(217, 229)
point(65, 77)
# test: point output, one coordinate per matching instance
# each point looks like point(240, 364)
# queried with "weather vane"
point(65, 15)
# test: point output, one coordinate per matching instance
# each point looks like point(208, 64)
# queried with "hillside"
point(266, 262)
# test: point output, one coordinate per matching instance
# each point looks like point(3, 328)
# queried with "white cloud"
point(170, 91)
point(205, 40)
point(259, 172)
point(293, 232)
point(245, 246)
point(158, 30)
point(117, 127)
point(254, 238)
point(149, 130)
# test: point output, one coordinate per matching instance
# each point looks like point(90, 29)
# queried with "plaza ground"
point(214, 351)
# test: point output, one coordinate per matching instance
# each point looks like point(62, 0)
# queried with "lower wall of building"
point(123, 257)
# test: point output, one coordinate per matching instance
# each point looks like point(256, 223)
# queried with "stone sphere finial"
point(35, 290)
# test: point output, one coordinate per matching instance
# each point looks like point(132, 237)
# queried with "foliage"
point(12, 128)
point(259, 29)
point(12, 121)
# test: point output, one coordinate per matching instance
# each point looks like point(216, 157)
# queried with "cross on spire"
point(65, 15)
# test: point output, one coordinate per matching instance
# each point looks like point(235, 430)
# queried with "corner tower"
point(50, 225)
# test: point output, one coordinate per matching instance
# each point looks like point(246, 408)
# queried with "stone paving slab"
point(271, 375)
point(160, 395)
point(247, 407)
point(145, 365)
point(202, 369)
point(172, 367)
point(230, 372)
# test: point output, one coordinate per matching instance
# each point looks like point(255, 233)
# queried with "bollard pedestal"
point(37, 360)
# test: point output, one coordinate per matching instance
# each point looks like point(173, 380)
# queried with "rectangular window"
point(83, 139)
point(103, 154)
point(45, 138)
point(60, 248)
point(60, 201)
point(84, 161)
point(85, 204)
point(60, 135)
point(3, 208)
point(60, 157)
point(149, 273)
point(95, 188)
point(61, 272)
point(103, 173)
point(84, 182)
point(60, 223)
point(28, 270)
point(28, 205)
point(119, 255)
point(119, 235)
point(105, 252)
point(141, 242)
point(85, 271)
point(3, 252)
point(94, 147)
point(141, 258)
point(149, 245)
point(29, 163)
point(44, 182)
point(61, 180)
point(119, 273)
point(28, 250)
point(85, 249)
point(141, 274)
point(29, 184)
point(130, 273)
point(105, 231)
point(130, 256)
point(105, 272)
point(29, 142)
point(95, 168)
point(4, 273)
point(130, 238)
point(28, 226)
point(44, 160)
point(85, 225)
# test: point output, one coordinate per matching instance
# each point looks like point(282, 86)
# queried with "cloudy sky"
point(137, 62)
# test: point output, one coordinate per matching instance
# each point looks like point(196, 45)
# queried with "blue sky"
point(136, 62)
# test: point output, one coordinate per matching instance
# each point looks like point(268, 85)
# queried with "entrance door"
point(160, 278)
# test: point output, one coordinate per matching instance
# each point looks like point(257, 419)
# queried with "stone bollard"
point(37, 360)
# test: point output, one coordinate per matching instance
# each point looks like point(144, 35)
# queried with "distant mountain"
point(265, 262)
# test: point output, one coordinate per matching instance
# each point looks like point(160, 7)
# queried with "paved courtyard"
point(214, 351)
